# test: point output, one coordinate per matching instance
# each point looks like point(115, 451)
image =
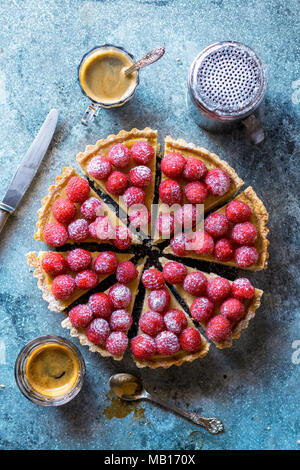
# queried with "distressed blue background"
point(253, 387)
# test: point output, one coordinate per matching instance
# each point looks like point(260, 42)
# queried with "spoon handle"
point(212, 425)
point(148, 59)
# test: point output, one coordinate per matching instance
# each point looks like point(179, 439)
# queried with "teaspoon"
point(130, 388)
point(148, 59)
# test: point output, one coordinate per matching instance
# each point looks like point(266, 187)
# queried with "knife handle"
point(3, 218)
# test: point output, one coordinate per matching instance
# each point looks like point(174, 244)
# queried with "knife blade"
point(28, 167)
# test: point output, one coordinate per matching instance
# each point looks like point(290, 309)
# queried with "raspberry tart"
point(103, 323)
point(193, 175)
point(65, 276)
point(234, 235)
point(166, 335)
point(223, 308)
point(72, 212)
point(124, 166)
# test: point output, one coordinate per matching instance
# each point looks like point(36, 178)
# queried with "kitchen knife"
point(28, 168)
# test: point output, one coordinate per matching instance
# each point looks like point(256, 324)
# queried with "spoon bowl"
point(126, 386)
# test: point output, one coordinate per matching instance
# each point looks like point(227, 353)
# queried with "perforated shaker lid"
point(227, 80)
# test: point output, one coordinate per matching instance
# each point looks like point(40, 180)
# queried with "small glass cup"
point(23, 383)
point(94, 107)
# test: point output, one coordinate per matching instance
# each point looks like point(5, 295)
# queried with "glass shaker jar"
point(226, 84)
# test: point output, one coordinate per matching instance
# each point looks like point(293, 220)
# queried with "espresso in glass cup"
point(49, 371)
point(102, 79)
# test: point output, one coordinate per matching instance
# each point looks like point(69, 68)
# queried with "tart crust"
point(259, 218)
point(45, 280)
point(181, 356)
point(129, 138)
point(251, 306)
point(211, 161)
point(57, 191)
point(80, 332)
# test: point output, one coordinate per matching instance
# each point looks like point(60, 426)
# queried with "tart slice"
point(103, 323)
point(166, 334)
point(64, 277)
point(223, 308)
point(191, 176)
point(234, 235)
point(124, 166)
point(72, 212)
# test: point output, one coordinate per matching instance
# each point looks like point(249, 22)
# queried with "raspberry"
point(187, 216)
point(63, 286)
point(55, 234)
point(106, 263)
point(91, 208)
point(246, 256)
point(140, 176)
point(87, 279)
point(159, 300)
point(242, 288)
point(120, 320)
point(139, 217)
point(142, 152)
point(64, 210)
point(216, 225)
point(79, 259)
point(117, 183)
point(165, 225)
point(93, 230)
point(123, 238)
point(97, 331)
point(233, 309)
point(78, 189)
point(218, 329)
point(244, 233)
point(102, 228)
point(203, 243)
point(218, 288)
point(190, 340)
point(54, 263)
point(174, 272)
point(126, 272)
point(151, 323)
point(79, 230)
point(100, 305)
point(120, 296)
point(194, 169)
point(196, 192)
point(153, 279)
point(217, 182)
point(223, 250)
point(133, 196)
point(238, 212)
point(195, 283)
point(179, 244)
point(175, 321)
point(143, 347)
point(117, 342)
point(202, 309)
point(119, 155)
point(80, 316)
point(172, 165)
point(167, 343)
point(170, 192)
point(99, 168)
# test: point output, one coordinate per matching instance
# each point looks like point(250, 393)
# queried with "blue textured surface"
point(254, 386)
